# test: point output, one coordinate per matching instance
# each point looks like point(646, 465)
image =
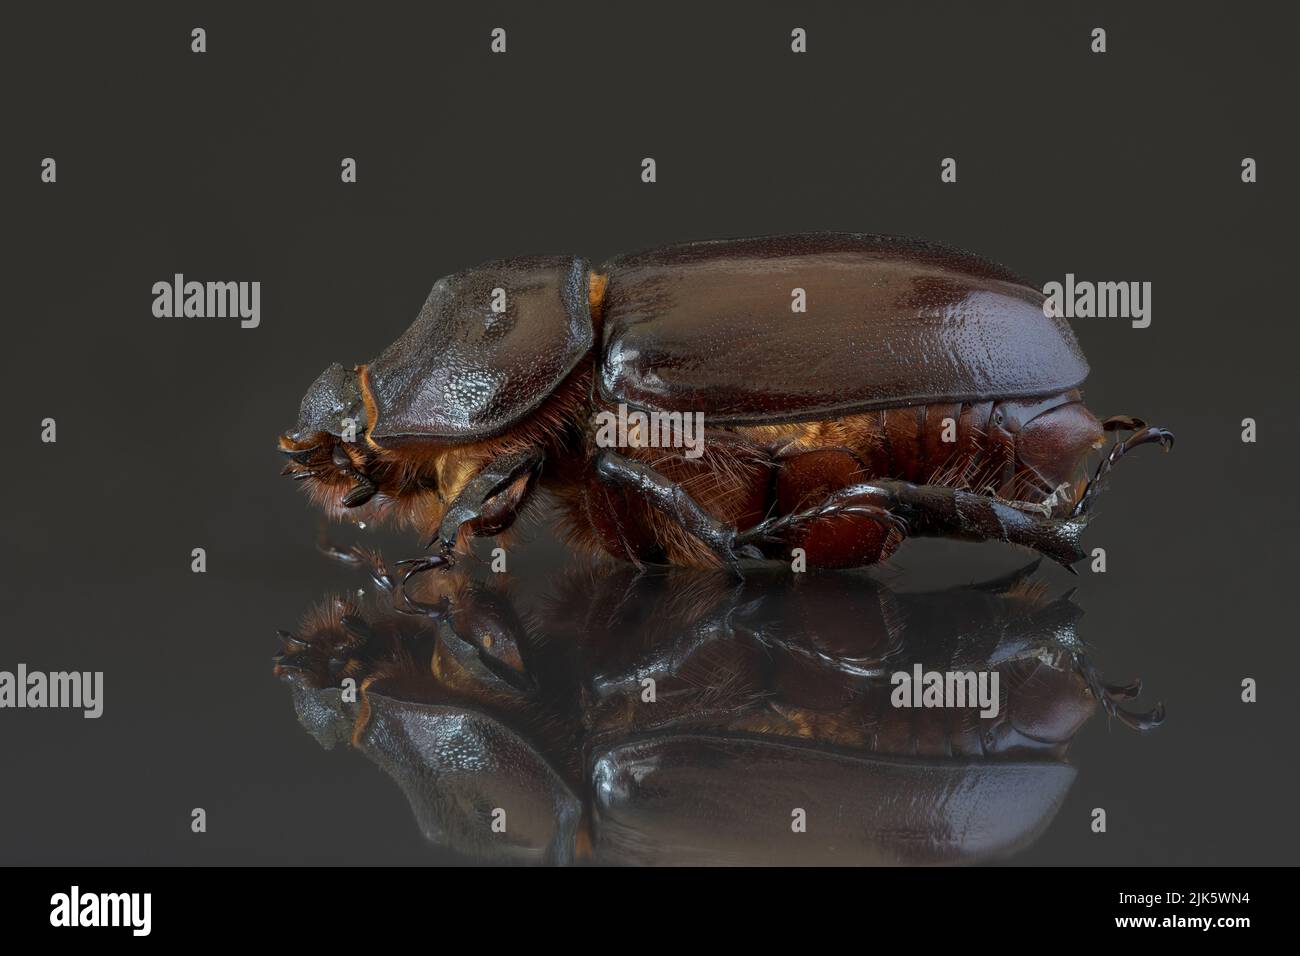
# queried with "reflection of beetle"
point(924, 391)
point(768, 695)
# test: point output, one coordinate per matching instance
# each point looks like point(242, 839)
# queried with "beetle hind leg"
point(892, 510)
point(945, 512)
point(912, 510)
point(850, 527)
point(1143, 434)
point(1110, 696)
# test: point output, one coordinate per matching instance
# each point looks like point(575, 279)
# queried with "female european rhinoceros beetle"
point(487, 707)
point(922, 391)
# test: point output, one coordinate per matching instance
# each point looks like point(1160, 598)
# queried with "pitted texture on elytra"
point(708, 327)
point(462, 371)
point(333, 397)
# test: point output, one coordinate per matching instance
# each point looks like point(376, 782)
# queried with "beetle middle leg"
point(671, 499)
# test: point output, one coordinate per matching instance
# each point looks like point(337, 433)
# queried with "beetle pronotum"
point(925, 391)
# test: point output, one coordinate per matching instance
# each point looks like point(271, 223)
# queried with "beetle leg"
point(414, 566)
point(847, 501)
point(288, 638)
point(1108, 696)
point(941, 511)
point(918, 510)
point(349, 556)
point(414, 607)
point(493, 497)
point(1129, 691)
point(1007, 582)
point(1143, 436)
point(671, 499)
point(1123, 423)
point(355, 556)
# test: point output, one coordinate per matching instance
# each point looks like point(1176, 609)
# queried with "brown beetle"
point(924, 391)
point(771, 693)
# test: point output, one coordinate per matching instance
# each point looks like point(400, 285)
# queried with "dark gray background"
point(226, 166)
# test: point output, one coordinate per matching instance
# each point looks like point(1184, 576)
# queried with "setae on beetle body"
point(921, 391)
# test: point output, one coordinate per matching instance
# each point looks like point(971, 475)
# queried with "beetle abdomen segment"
point(709, 327)
point(940, 443)
point(488, 347)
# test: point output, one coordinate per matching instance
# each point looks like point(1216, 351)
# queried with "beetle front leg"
point(488, 505)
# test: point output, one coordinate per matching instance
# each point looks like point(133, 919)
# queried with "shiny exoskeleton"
point(773, 693)
point(920, 391)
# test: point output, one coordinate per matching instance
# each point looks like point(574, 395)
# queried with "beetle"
point(924, 391)
point(768, 694)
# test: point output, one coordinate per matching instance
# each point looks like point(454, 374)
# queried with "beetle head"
point(332, 406)
point(328, 451)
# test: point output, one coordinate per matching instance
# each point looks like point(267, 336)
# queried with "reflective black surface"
point(226, 167)
point(686, 717)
